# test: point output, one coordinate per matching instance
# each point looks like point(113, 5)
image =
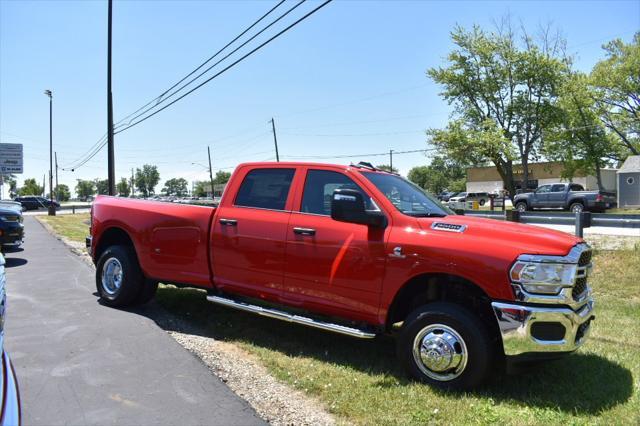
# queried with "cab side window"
point(265, 189)
point(558, 188)
point(319, 187)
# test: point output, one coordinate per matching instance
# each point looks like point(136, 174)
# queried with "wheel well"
point(428, 288)
point(110, 237)
point(576, 201)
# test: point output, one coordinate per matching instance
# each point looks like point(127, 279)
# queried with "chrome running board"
point(281, 315)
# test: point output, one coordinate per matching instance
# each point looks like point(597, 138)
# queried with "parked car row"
point(34, 202)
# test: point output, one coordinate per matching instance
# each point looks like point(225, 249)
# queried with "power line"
point(304, 17)
point(377, 154)
point(205, 62)
point(228, 66)
point(354, 134)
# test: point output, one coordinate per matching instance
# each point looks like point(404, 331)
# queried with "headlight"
point(547, 278)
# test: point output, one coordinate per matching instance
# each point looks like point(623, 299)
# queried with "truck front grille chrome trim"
point(284, 316)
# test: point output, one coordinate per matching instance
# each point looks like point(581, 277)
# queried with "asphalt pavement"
point(81, 363)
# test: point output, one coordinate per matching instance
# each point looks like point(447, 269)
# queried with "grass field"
point(73, 226)
point(360, 381)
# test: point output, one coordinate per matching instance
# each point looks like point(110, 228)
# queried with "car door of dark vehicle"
point(557, 196)
point(540, 198)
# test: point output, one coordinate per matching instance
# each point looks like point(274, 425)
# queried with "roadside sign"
point(11, 158)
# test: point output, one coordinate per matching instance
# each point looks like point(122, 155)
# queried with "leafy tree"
point(11, 182)
point(222, 177)
point(617, 83)
point(581, 142)
point(123, 187)
point(440, 175)
point(387, 168)
point(146, 179)
point(503, 86)
point(201, 188)
point(176, 186)
point(102, 186)
point(85, 189)
point(62, 192)
point(30, 187)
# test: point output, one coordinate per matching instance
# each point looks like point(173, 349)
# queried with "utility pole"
point(52, 207)
point(210, 172)
point(44, 185)
point(132, 187)
point(56, 156)
point(110, 154)
point(275, 139)
point(391, 160)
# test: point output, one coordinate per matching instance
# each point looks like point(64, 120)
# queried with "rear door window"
point(265, 189)
point(558, 188)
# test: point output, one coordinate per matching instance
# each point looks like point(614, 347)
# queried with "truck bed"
point(171, 239)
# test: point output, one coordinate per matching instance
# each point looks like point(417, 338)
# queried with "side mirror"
point(347, 205)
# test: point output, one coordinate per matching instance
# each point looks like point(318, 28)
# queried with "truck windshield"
point(407, 197)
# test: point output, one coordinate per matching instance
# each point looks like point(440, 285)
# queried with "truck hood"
point(509, 237)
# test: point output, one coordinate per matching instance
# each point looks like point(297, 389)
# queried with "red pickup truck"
point(362, 252)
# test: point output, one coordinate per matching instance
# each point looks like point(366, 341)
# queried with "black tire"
point(472, 336)
point(576, 207)
point(147, 292)
point(521, 206)
point(131, 278)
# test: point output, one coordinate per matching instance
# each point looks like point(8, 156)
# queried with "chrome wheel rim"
point(577, 208)
point(522, 208)
point(440, 352)
point(111, 276)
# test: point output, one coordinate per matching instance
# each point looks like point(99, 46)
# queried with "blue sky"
point(349, 80)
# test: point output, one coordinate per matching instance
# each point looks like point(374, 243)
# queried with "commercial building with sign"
point(487, 179)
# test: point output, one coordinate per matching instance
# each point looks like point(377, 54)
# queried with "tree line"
point(144, 183)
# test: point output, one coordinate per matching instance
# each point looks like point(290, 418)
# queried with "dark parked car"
point(33, 202)
point(10, 408)
point(11, 228)
point(566, 196)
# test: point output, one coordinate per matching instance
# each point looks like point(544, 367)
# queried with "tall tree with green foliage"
point(200, 188)
point(30, 187)
point(146, 180)
point(176, 186)
point(85, 189)
point(102, 186)
point(503, 86)
point(616, 80)
point(123, 187)
point(222, 177)
point(62, 192)
point(580, 141)
point(440, 175)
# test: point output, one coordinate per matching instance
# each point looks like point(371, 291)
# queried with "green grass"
point(361, 382)
point(72, 226)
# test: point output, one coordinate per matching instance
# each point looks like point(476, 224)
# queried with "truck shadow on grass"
point(579, 383)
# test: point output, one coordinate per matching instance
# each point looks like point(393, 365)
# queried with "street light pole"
point(210, 172)
point(111, 170)
point(52, 207)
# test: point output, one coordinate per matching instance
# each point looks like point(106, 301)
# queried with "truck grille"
point(580, 286)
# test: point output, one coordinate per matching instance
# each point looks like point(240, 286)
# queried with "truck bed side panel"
point(170, 239)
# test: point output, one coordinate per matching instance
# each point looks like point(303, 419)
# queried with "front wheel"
point(521, 206)
point(445, 345)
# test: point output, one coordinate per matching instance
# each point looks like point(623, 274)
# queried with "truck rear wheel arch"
point(111, 237)
point(429, 288)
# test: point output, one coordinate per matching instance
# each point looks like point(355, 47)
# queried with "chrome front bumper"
point(518, 337)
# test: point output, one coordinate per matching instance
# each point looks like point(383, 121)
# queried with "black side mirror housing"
point(347, 205)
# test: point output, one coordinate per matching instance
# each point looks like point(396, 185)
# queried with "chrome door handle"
point(228, 222)
point(304, 231)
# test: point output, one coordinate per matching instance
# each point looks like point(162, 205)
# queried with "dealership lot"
point(78, 362)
